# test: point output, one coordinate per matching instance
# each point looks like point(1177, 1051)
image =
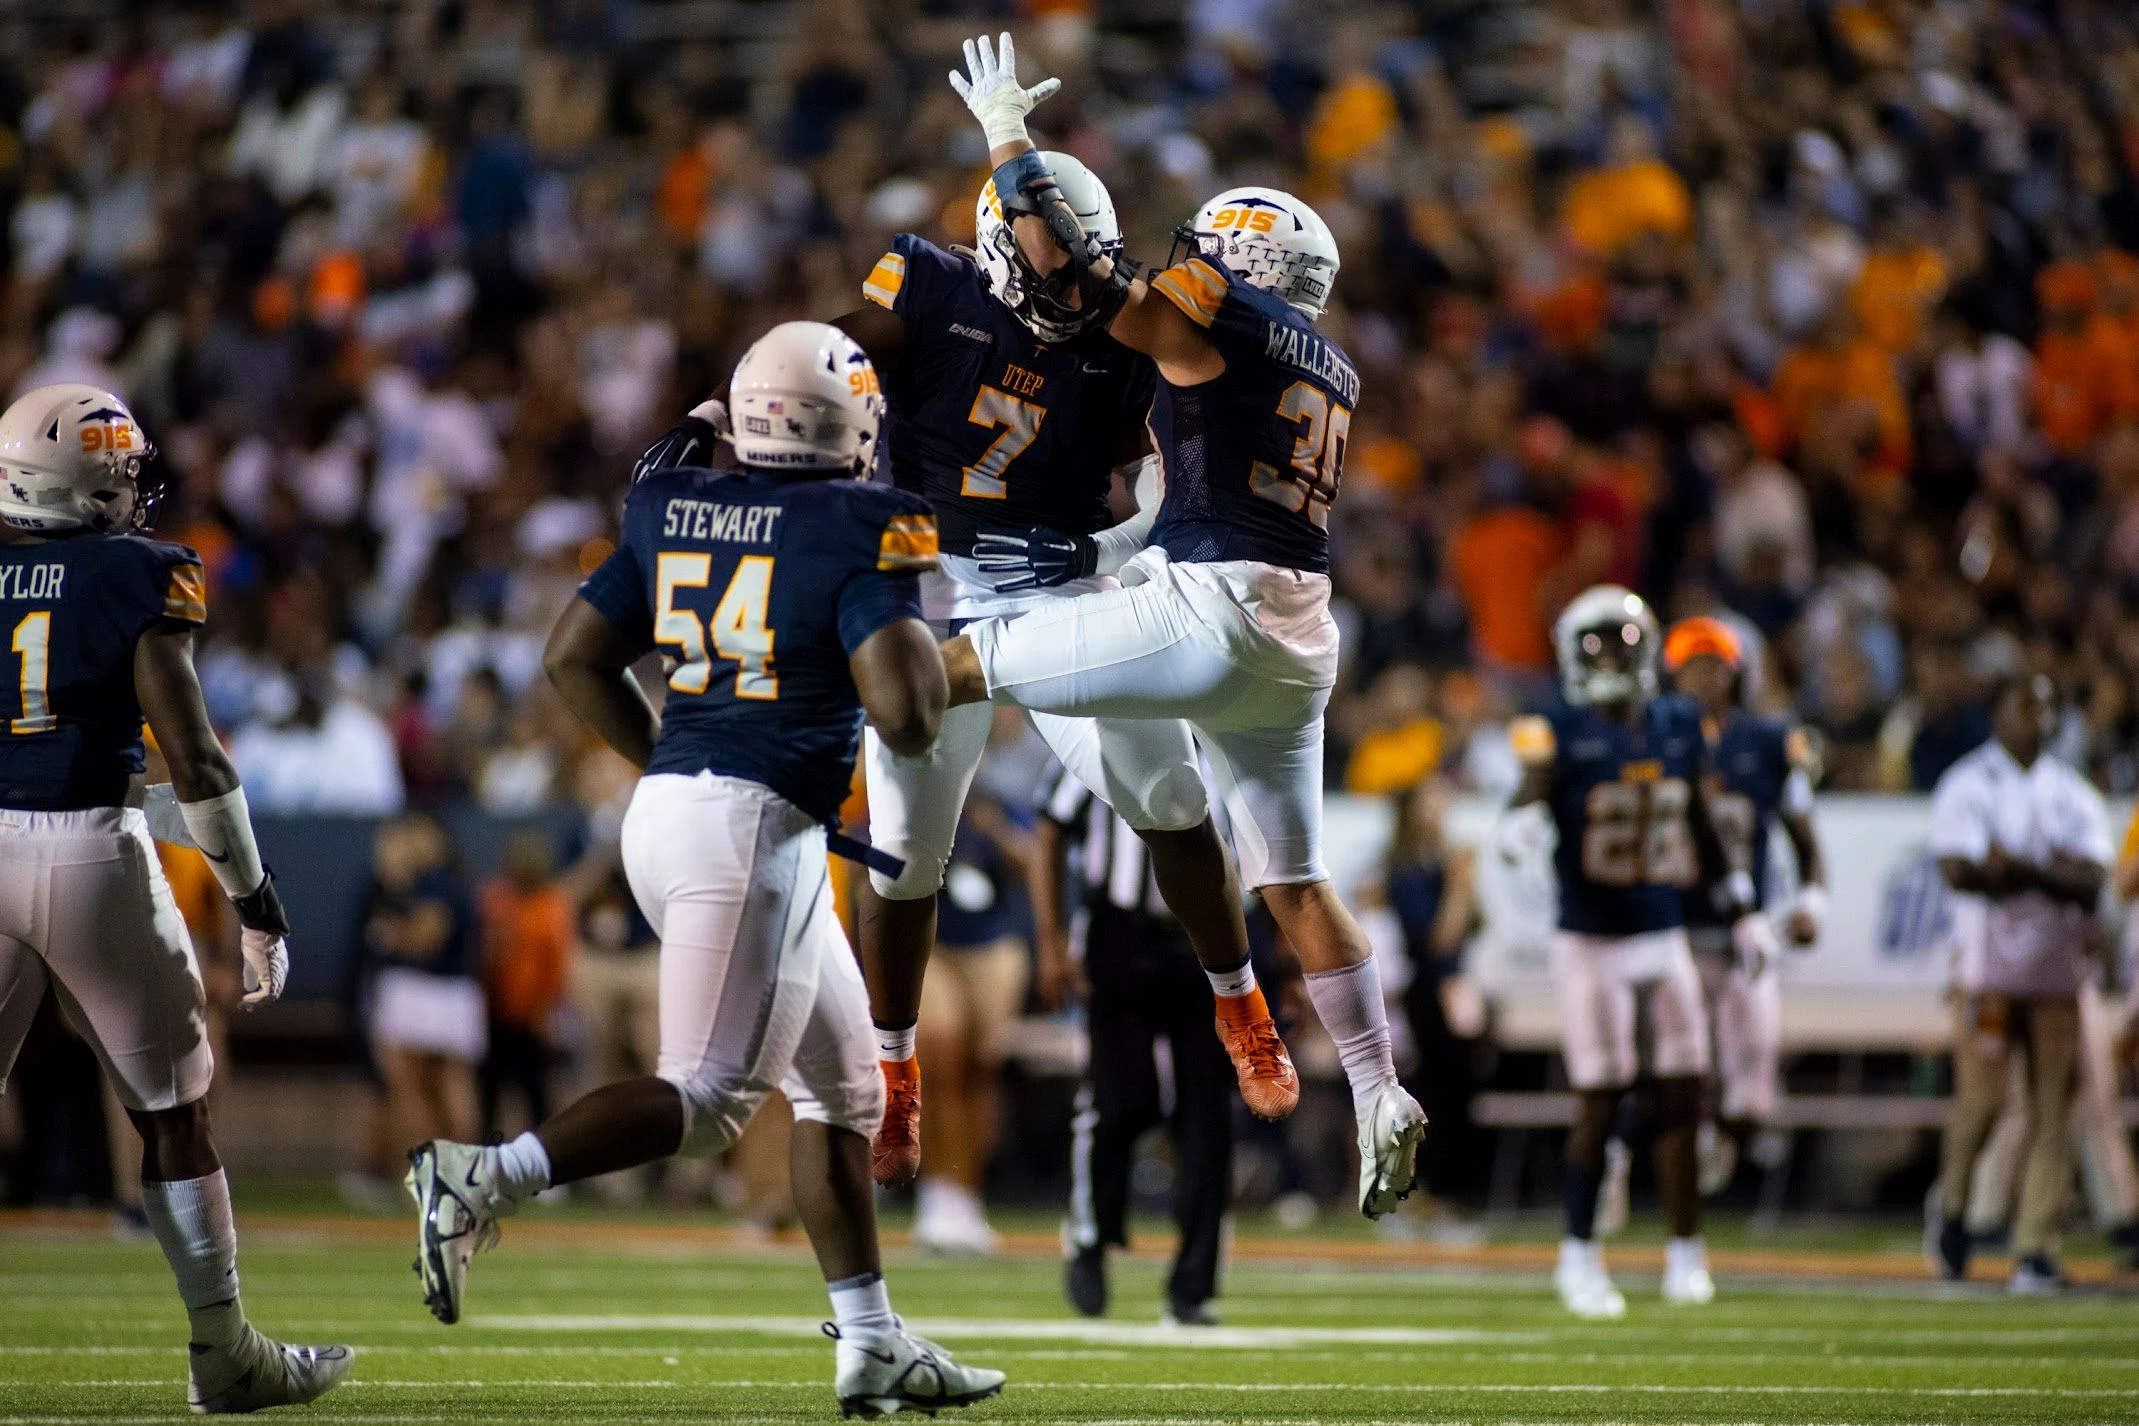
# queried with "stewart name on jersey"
point(756, 589)
point(71, 611)
point(1253, 456)
point(999, 430)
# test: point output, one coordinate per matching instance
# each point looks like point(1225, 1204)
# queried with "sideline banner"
point(1875, 981)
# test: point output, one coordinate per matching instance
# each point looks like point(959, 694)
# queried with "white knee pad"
point(1174, 802)
point(857, 1104)
point(715, 1113)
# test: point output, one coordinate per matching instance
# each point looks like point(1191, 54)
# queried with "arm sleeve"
point(1118, 544)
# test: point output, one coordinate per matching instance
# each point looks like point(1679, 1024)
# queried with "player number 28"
point(1020, 423)
point(1308, 484)
point(737, 627)
point(1635, 834)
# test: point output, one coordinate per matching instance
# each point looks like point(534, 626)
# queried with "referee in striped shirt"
point(1154, 1057)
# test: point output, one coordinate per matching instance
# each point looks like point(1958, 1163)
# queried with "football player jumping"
point(99, 624)
point(1009, 411)
point(785, 599)
point(1619, 774)
point(1224, 621)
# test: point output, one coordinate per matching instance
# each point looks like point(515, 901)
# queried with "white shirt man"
point(2025, 840)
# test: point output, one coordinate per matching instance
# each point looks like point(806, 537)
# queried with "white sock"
point(1237, 981)
point(523, 1167)
point(861, 1306)
point(192, 1223)
point(895, 1044)
point(1685, 1254)
point(1348, 1000)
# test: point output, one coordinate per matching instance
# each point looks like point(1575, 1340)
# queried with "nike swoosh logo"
point(211, 856)
point(472, 1168)
point(887, 1358)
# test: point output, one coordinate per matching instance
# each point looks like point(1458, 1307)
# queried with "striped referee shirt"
point(1109, 859)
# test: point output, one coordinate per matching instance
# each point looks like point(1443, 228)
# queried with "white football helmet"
point(1011, 278)
point(1608, 644)
point(70, 457)
point(804, 397)
point(1268, 239)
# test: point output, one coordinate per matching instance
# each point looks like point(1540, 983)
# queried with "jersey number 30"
point(1634, 834)
point(32, 643)
point(1308, 483)
point(738, 627)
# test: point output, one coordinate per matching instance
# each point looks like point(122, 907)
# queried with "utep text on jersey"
point(1252, 457)
point(71, 611)
point(998, 429)
point(756, 589)
point(1620, 797)
point(1750, 763)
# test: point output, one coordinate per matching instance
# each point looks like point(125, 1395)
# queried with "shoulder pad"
point(1533, 740)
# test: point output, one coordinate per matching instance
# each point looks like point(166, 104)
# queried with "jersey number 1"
point(738, 624)
point(1308, 484)
point(33, 645)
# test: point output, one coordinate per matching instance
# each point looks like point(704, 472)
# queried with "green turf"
point(89, 1329)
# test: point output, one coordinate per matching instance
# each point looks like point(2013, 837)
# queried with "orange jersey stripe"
point(1193, 286)
point(909, 543)
point(186, 600)
point(882, 284)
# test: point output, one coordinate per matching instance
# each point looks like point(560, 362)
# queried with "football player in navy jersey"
point(1010, 412)
point(98, 623)
point(1761, 772)
point(1618, 773)
point(1224, 620)
point(785, 600)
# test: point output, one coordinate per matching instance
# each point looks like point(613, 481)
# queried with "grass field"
point(580, 1321)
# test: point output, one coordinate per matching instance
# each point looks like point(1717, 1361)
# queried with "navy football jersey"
point(756, 589)
point(1750, 762)
point(1252, 456)
point(70, 613)
point(999, 430)
point(1620, 798)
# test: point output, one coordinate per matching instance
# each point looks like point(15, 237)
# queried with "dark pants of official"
point(1146, 987)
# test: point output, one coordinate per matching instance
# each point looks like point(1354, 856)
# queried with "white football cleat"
point(457, 1211)
point(1686, 1279)
point(1613, 1194)
point(1390, 1127)
point(904, 1372)
point(1585, 1287)
point(257, 1371)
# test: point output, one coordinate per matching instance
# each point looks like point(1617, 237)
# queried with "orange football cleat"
point(1268, 1083)
point(895, 1157)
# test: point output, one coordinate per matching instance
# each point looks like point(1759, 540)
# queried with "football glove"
point(1038, 559)
point(1807, 915)
point(264, 943)
point(1524, 834)
point(688, 442)
point(991, 90)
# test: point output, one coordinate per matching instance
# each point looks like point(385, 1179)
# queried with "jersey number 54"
point(738, 626)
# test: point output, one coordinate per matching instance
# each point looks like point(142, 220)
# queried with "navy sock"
point(1581, 1188)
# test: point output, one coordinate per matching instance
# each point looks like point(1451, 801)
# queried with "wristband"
point(262, 909)
point(222, 828)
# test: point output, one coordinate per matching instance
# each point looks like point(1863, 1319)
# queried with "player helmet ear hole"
point(1047, 303)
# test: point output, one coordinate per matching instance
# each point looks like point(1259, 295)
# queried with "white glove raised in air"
point(267, 965)
point(1524, 834)
point(991, 90)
